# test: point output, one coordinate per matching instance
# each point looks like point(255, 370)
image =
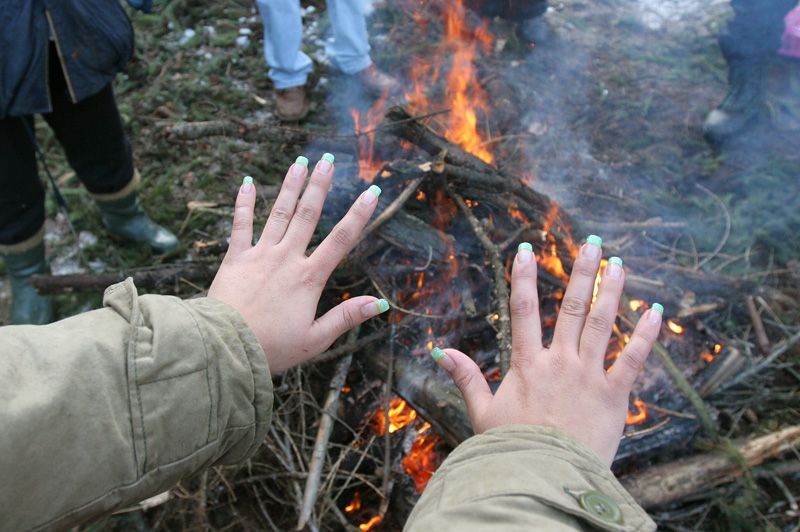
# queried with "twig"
point(499, 285)
point(394, 206)
point(324, 433)
point(778, 351)
point(758, 325)
point(387, 440)
point(727, 232)
point(679, 380)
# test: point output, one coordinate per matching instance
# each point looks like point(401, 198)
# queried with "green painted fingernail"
point(437, 354)
point(524, 247)
point(328, 157)
point(658, 307)
point(247, 180)
point(615, 260)
point(383, 305)
point(301, 160)
point(594, 240)
point(375, 189)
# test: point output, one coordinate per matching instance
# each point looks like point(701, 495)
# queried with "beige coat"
point(107, 408)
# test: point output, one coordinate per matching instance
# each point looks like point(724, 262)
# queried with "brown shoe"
point(377, 83)
point(291, 104)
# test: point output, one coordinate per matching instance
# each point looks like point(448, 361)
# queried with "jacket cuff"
point(544, 464)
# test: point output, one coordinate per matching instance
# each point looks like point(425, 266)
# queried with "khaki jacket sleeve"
point(107, 408)
point(519, 478)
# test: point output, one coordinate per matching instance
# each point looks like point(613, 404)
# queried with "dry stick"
point(500, 285)
point(758, 325)
point(727, 232)
point(778, 351)
point(387, 441)
point(395, 206)
point(674, 481)
point(679, 380)
point(324, 433)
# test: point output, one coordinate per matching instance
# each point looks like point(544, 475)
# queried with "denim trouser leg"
point(283, 35)
point(350, 47)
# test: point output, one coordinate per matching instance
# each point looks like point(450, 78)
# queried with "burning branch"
point(499, 284)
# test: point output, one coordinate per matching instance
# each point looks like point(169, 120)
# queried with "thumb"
point(344, 317)
point(468, 377)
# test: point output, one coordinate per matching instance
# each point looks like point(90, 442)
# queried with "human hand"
point(274, 285)
point(564, 386)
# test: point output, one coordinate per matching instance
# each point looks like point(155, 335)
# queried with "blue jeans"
point(283, 34)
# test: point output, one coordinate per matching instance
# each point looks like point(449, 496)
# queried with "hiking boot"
point(125, 219)
point(291, 104)
point(27, 305)
point(376, 83)
point(742, 105)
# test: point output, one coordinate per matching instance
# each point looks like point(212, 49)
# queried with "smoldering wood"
point(669, 483)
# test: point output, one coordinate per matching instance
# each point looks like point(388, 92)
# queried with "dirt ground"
point(610, 111)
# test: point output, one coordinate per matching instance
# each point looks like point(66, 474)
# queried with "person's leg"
point(22, 221)
point(748, 43)
point(283, 35)
point(98, 150)
point(350, 47)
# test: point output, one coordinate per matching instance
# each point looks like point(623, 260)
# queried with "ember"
point(372, 523)
point(675, 327)
point(637, 414)
point(355, 504)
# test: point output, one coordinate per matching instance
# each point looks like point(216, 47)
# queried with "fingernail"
point(247, 185)
point(441, 358)
point(656, 312)
point(593, 247)
point(373, 309)
point(325, 163)
point(370, 196)
point(614, 268)
point(525, 252)
point(300, 165)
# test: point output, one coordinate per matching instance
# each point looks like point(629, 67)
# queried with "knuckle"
point(241, 224)
point(306, 213)
point(463, 379)
point(574, 306)
point(279, 214)
point(342, 237)
point(348, 320)
point(311, 281)
point(584, 269)
point(597, 323)
point(521, 307)
point(633, 360)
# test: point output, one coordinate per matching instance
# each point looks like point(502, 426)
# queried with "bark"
point(163, 278)
point(668, 483)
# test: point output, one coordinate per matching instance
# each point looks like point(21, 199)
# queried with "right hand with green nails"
point(273, 284)
point(565, 385)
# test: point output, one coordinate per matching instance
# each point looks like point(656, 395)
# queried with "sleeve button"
point(601, 506)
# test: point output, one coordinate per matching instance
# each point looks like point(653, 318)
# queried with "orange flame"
point(372, 523)
point(707, 357)
point(355, 504)
point(635, 304)
point(675, 327)
point(421, 461)
point(365, 125)
point(400, 415)
point(463, 94)
point(638, 414)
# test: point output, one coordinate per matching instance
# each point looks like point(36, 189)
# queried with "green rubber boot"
point(125, 219)
point(27, 305)
point(742, 105)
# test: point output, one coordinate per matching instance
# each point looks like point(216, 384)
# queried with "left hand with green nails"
point(565, 385)
point(274, 285)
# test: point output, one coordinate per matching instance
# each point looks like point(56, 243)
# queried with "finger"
point(467, 377)
point(242, 230)
point(306, 216)
point(283, 209)
point(600, 321)
point(623, 373)
point(344, 236)
point(578, 296)
point(344, 317)
point(526, 325)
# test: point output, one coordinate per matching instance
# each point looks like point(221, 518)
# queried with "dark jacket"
point(94, 39)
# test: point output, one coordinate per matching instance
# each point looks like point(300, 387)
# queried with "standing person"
point(748, 43)
point(289, 66)
point(58, 59)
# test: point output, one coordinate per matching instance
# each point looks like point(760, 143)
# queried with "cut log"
point(669, 483)
point(163, 278)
